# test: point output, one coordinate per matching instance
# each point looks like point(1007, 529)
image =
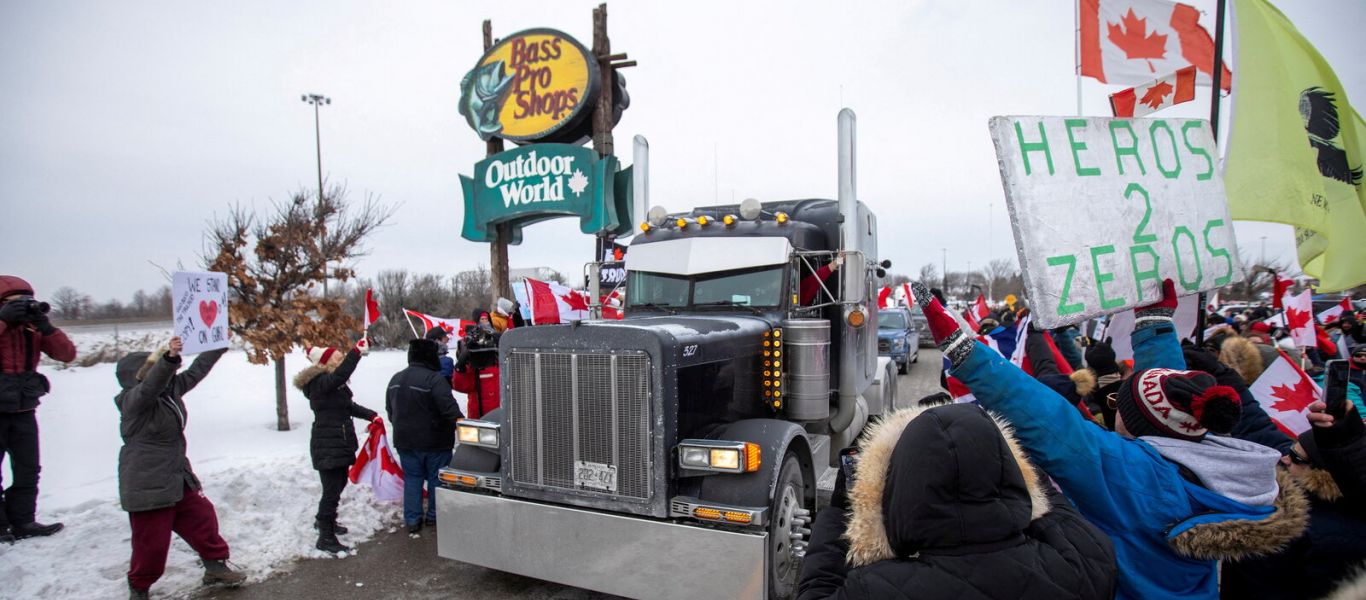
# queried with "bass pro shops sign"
point(1104, 209)
point(537, 85)
point(545, 181)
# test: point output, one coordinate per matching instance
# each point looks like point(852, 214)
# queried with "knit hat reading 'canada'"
point(318, 355)
point(1184, 405)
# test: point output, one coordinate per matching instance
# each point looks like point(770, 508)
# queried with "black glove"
point(462, 356)
point(14, 312)
point(1100, 357)
point(43, 324)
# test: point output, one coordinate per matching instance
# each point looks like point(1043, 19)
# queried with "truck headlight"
point(478, 433)
point(720, 456)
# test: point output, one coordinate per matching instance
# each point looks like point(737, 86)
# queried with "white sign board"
point(1104, 209)
point(199, 305)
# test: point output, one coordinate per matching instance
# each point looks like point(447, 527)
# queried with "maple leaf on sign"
point(1133, 38)
point(1296, 319)
point(1153, 97)
point(575, 301)
point(1293, 399)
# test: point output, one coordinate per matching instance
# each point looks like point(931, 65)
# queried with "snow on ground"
point(260, 479)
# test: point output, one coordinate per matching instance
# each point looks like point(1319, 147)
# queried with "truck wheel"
point(902, 368)
point(787, 531)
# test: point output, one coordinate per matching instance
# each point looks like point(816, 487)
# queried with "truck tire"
point(787, 510)
point(902, 368)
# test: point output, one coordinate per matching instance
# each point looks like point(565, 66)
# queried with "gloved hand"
point(955, 344)
point(836, 264)
point(363, 346)
point(43, 324)
point(378, 420)
point(462, 356)
point(1160, 310)
point(14, 312)
point(1100, 357)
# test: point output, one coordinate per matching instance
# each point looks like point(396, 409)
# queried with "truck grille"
point(568, 407)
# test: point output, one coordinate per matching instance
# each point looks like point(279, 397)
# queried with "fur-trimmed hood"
point(937, 478)
point(1085, 381)
point(1240, 354)
point(303, 377)
point(1213, 539)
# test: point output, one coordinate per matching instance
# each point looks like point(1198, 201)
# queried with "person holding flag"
point(332, 443)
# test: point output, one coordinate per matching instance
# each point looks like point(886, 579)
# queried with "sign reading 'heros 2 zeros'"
point(530, 86)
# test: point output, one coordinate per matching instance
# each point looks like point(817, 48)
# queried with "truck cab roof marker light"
point(728, 220)
point(781, 218)
point(703, 220)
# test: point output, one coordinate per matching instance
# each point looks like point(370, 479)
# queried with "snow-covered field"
point(260, 479)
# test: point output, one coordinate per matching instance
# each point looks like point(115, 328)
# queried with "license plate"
point(595, 475)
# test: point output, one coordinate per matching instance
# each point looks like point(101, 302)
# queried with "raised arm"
point(144, 396)
point(330, 382)
point(200, 368)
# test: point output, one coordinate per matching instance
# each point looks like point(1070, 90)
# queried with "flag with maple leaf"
point(1131, 41)
point(372, 313)
point(1155, 95)
point(1285, 391)
point(1336, 312)
point(1279, 289)
point(555, 303)
point(454, 327)
point(884, 298)
point(1296, 319)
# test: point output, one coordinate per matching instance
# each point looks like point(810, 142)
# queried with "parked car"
point(898, 337)
point(922, 326)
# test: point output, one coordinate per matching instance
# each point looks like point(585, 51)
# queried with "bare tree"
point(998, 273)
point(929, 275)
point(70, 304)
point(273, 263)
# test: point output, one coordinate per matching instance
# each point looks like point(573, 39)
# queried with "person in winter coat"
point(1329, 461)
point(1101, 362)
point(1174, 498)
point(1066, 338)
point(1236, 351)
point(423, 411)
point(332, 443)
point(1351, 334)
point(156, 484)
point(476, 375)
point(506, 315)
point(25, 334)
point(946, 505)
point(1356, 378)
point(442, 338)
point(1076, 387)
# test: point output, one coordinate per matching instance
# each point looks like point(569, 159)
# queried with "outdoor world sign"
point(1104, 209)
point(534, 85)
point(545, 181)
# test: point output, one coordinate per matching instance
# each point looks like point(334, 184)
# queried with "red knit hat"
point(319, 355)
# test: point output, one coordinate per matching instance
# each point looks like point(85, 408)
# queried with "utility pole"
point(946, 272)
point(500, 286)
point(318, 100)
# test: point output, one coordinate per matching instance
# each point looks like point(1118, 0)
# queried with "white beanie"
point(318, 355)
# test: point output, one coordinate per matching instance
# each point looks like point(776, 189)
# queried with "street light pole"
point(945, 266)
point(318, 100)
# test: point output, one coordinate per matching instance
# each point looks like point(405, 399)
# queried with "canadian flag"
point(981, 308)
point(455, 327)
point(554, 303)
point(1286, 392)
point(1296, 319)
point(372, 313)
point(1155, 95)
point(1336, 312)
point(884, 298)
point(907, 296)
point(973, 325)
point(611, 305)
point(376, 466)
point(1279, 289)
point(1131, 41)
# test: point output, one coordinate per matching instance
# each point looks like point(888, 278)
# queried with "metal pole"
point(945, 278)
point(1076, 51)
point(318, 139)
point(1217, 72)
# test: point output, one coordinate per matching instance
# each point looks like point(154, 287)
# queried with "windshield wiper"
point(665, 306)
point(730, 303)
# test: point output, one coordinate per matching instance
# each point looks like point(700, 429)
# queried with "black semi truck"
point(682, 451)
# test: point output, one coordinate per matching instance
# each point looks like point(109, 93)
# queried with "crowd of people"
point(1163, 478)
point(157, 486)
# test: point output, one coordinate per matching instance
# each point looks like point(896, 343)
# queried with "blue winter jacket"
point(1123, 486)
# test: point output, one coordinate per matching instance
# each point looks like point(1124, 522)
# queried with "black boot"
point(35, 529)
point(137, 594)
point(218, 572)
point(338, 528)
point(6, 536)
point(327, 539)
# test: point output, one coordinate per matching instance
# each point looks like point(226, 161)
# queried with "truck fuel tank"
point(807, 364)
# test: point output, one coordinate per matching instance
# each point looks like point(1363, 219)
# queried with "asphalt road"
point(393, 565)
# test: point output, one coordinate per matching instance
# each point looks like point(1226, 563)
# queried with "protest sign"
point(199, 305)
point(1104, 209)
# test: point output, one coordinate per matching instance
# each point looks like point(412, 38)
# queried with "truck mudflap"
point(615, 554)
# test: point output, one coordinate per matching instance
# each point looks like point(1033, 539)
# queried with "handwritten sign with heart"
point(199, 306)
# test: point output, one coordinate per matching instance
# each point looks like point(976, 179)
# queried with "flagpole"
point(1217, 73)
point(409, 319)
point(1076, 49)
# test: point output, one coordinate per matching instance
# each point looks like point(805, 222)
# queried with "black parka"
point(945, 505)
point(153, 467)
point(420, 403)
point(332, 443)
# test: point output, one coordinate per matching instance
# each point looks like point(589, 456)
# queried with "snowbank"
point(260, 479)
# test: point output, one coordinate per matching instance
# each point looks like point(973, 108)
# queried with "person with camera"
point(25, 333)
point(476, 371)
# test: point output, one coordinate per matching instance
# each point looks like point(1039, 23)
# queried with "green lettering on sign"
point(1027, 147)
point(1209, 162)
point(1071, 261)
point(1157, 152)
point(1102, 278)
point(1120, 151)
point(1077, 146)
point(1141, 274)
point(1193, 285)
point(1139, 236)
point(1219, 253)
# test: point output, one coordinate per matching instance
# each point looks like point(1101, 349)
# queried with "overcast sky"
point(126, 126)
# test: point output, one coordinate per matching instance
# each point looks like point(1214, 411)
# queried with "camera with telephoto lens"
point(477, 338)
point(33, 308)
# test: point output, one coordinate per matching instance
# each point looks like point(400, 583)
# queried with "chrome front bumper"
point(616, 554)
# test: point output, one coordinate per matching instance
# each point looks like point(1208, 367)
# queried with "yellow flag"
point(1295, 150)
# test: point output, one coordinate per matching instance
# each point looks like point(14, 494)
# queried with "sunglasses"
point(1299, 459)
point(1112, 400)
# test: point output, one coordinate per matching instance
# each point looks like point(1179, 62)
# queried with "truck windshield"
point(759, 287)
point(894, 319)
